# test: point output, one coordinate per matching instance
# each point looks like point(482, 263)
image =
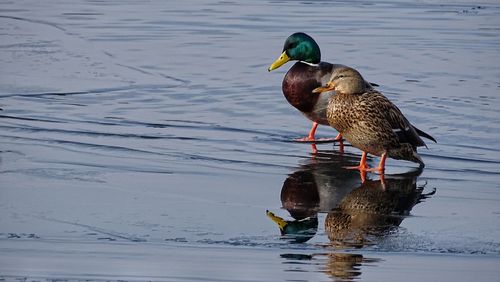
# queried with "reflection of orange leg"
point(310, 137)
point(314, 149)
point(362, 173)
point(341, 142)
point(362, 163)
point(341, 148)
point(381, 165)
point(382, 181)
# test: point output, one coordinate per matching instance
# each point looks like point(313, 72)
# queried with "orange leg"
point(363, 168)
point(339, 138)
point(312, 132)
point(310, 137)
point(381, 165)
point(362, 164)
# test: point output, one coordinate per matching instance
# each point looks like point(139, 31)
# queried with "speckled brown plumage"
point(369, 121)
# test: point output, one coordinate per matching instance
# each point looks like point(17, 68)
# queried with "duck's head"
point(345, 80)
point(299, 47)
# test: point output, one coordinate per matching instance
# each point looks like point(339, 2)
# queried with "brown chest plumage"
point(299, 83)
point(340, 113)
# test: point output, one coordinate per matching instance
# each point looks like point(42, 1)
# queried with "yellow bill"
point(279, 62)
point(278, 220)
point(329, 87)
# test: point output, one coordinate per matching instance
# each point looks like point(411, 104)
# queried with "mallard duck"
point(304, 76)
point(369, 121)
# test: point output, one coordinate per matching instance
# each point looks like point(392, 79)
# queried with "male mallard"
point(369, 121)
point(304, 76)
point(298, 230)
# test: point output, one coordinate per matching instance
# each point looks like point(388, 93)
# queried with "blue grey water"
point(145, 140)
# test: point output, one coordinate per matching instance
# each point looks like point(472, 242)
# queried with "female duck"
point(369, 121)
point(304, 76)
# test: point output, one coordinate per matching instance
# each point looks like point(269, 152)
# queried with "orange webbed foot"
point(364, 168)
point(305, 140)
point(381, 165)
point(362, 164)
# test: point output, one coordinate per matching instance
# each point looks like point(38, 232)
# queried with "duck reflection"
point(357, 209)
point(317, 186)
point(369, 212)
point(344, 267)
point(339, 266)
point(374, 209)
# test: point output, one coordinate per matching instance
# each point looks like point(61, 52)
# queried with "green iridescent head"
point(299, 47)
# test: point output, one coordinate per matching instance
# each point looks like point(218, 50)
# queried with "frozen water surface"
point(146, 140)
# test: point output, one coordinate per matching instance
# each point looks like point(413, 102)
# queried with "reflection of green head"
point(301, 47)
point(298, 231)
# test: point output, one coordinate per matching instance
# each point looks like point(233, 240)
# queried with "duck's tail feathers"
point(423, 134)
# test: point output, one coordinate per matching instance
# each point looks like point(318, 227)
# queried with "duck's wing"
point(405, 132)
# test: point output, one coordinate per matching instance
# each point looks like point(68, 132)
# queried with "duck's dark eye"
point(341, 76)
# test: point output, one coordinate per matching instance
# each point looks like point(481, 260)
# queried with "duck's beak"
point(279, 62)
point(278, 220)
point(329, 87)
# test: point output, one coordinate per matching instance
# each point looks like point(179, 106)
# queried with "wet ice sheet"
point(142, 132)
point(132, 262)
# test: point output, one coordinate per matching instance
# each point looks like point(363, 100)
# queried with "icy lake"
point(145, 141)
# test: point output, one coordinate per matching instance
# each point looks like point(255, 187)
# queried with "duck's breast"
point(298, 84)
point(318, 112)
